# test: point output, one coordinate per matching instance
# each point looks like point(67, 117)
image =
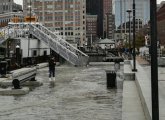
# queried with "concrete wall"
point(35, 44)
point(96, 57)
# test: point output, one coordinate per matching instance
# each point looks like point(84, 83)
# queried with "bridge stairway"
point(53, 40)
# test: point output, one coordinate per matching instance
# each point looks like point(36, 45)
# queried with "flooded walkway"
point(79, 94)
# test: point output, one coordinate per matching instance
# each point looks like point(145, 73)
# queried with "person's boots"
point(52, 83)
point(54, 79)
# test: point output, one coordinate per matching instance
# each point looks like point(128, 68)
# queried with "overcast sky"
point(158, 1)
point(21, 1)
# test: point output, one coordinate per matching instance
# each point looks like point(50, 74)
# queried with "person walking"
point(52, 64)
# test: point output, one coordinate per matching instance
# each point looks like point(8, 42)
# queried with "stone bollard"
point(117, 65)
point(111, 79)
point(3, 68)
point(8, 64)
point(16, 84)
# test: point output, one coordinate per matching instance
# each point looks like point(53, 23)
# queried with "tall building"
point(8, 12)
point(121, 16)
point(91, 29)
point(107, 6)
point(95, 7)
point(66, 16)
point(161, 23)
point(108, 19)
point(9, 6)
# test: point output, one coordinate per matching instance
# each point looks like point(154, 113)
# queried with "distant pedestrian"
point(52, 64)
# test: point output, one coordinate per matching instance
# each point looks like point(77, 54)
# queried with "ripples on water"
point(79, 94)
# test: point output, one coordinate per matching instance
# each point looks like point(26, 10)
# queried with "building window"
point(45, 52)
point(34, 52)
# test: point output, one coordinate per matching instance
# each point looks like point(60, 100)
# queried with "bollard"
point(16, 84)
point(8, 64)
point(111, 79)
point(3, 68)
point(117, 65)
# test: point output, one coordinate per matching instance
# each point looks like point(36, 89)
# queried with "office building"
point(91, 28)
point(95, 7)
point(66, 16)
point(5, 18)
point(108, 19)
point(161, 23)
point(9, 6)
point(121, 16)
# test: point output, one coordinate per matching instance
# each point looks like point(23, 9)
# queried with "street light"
point(17, 53)
point(148, 36)
point(29, 30)
point(134, 55)
point(30, 6)
point(129, 12)
point(91, 40)
point(154, 61)
point(8, 42)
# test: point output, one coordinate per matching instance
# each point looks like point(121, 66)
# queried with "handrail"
point(60, 38)
point(55, 45)
point(53, 40)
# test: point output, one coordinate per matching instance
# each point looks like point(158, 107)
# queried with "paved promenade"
point(132, 108)
point(141, 88)
point(131, 104)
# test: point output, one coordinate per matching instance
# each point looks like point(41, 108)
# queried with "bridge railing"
point(52, 39)
point(56, 46)
point(11, 32)
point(66, 50)
point(59, 39)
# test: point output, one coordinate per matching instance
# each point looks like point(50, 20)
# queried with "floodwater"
point(80, 93)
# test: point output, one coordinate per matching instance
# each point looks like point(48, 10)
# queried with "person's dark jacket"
point(52, 64)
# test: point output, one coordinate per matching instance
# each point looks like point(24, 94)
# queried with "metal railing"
point(52, 39)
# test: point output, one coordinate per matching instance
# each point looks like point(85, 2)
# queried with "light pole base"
point(134, 70)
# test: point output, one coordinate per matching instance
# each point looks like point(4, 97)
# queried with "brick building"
point(66, 16)
point(95, 7)
point(108, 19)
point(161, 23)
point(9, 11)
point(91, 28)
point(9, 6)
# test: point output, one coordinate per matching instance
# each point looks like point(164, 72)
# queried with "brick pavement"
point(141, 60)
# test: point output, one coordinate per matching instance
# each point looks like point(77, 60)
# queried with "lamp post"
point(134, 55)
point(8, 47)
point(154, 62)
point(148, 37)
point(17, 53)
point(8, 44)
point(29, 27)
point(129, 12)
point(91, 41)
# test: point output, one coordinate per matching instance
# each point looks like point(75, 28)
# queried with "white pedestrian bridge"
point(52, 39)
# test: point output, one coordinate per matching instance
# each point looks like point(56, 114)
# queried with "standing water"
point(79, 93)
